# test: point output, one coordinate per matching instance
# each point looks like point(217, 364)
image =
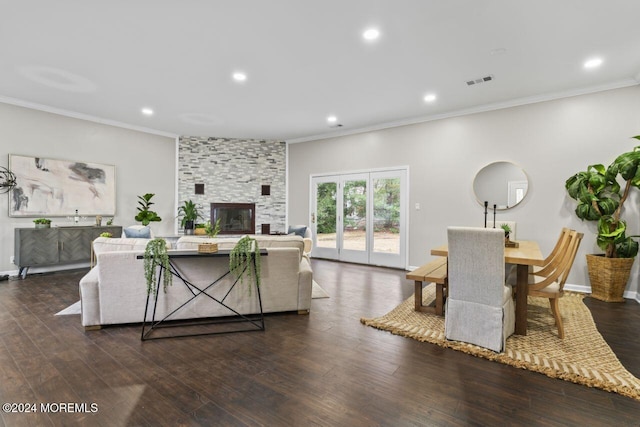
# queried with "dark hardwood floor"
point(322, 369)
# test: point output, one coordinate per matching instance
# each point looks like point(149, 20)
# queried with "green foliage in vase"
point(601, 198)
point(42, 221)
point(145, 215)
point(155, 254)
point(212, 230)
point(240, 264)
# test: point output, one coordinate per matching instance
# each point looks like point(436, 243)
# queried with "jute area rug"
point(582, 357)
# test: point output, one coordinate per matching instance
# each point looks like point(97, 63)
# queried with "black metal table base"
point(151, 328)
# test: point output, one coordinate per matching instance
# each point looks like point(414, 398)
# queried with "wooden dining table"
point(527, 253)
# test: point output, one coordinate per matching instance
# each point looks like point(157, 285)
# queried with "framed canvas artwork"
point(51, 187)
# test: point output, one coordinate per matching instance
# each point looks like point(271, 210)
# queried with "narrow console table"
point(254, 322)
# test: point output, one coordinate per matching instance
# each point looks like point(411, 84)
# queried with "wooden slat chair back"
point(555, 257)
point(551, 285)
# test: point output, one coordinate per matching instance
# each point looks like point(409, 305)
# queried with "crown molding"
point(474, 110)
point(81, 116)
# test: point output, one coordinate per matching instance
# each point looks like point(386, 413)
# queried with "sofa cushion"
point(228, 243)
point(298, 231)
point(106, 244)
point(137, 233)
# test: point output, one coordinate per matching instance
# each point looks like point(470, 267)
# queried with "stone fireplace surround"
point(233, 170)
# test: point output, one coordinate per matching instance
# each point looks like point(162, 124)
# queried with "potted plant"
point(42, 223)
point(145, 215)
point(240, 257)
point(189, 214)
point(200, 229)
point(507, 231)
point(601, 198)
point(211, 231)
point(155, 254)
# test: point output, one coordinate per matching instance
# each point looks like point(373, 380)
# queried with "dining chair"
point(551, 284)
point(550, 262)
point(555, 256)
point(479, 308)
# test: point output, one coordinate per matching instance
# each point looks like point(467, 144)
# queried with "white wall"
point(144, 164)
point(550, 140)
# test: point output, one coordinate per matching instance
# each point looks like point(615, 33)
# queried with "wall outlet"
point(12, 259)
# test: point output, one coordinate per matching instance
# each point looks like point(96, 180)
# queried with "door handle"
point(313, 218)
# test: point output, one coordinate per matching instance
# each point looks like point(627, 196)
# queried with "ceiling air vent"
point(480, 80)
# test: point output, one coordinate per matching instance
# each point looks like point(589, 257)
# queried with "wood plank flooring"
point(324, 369)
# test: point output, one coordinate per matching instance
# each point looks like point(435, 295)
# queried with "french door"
point(360, 217)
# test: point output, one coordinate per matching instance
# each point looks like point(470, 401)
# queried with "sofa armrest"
point(308, 244)
point(90, 298)
point(305, 280)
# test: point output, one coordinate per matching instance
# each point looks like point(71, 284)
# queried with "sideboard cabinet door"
point(36, 246)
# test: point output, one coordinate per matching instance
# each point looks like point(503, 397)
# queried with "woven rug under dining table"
point(582, 357)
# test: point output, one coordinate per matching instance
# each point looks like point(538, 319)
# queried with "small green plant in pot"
point(212, 230)
point(145, 215)
point(42, 222)
point(507, 230)
point(601, 198)
point(188, 213)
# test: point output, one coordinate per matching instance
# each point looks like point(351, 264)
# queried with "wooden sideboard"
point(35, 247)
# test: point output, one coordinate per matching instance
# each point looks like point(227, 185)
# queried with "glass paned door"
point(361, 217)
point(324, 218)
point(355, 236)
point(388, 195)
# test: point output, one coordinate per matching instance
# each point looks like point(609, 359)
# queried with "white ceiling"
point(305, 60)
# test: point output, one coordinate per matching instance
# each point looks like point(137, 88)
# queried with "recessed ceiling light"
point(593, 63)
point(371, 34)
point(239, 76)
point(430, 97)
point(147, 111)
point(332, 119)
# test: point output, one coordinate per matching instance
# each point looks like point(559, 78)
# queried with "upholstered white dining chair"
point(479, 308)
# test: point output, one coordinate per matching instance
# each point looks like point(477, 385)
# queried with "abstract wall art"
point(54, 187)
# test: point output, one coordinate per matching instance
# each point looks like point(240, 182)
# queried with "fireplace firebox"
point(235, 218)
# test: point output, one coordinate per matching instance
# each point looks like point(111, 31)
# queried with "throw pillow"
point(138, 233)
point(298, 231)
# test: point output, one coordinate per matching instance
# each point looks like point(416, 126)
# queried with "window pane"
point(326, 215)
point(355, 215)
point(386, 215)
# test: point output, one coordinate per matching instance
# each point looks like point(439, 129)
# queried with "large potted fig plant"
point(146, 215)
point(601, 198)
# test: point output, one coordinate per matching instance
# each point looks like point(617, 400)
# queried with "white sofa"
point(114, 291)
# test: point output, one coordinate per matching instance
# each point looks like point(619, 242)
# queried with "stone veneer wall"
point(234, 171)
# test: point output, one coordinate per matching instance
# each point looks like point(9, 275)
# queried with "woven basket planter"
point(208, 248)
point(608, 276)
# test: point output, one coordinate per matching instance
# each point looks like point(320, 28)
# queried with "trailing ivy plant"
point(240, 264)
point(156, 254)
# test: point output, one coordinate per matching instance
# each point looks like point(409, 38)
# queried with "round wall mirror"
point(503, 184)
